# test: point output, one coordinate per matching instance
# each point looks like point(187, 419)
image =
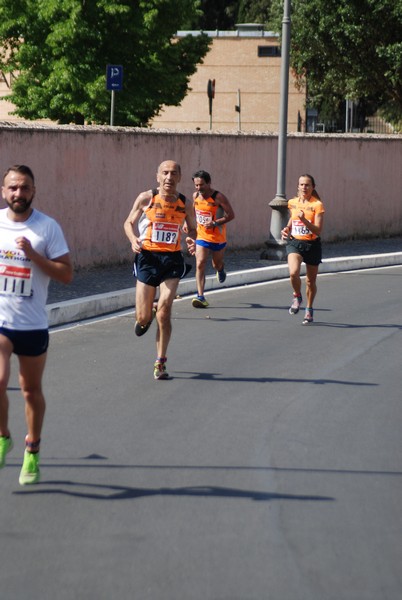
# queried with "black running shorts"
point(310, 251)
point(154, 267)
point(27, 343)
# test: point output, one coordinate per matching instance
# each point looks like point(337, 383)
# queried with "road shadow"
point(120, 492)
point(356, 326)
point(194, 375)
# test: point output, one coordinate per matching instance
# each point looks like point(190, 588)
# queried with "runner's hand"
point(190, 245)
point(136, 246)
point(25, 245)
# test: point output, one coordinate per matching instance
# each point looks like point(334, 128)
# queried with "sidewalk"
point(103, 290)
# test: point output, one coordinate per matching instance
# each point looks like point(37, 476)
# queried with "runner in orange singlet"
point(153, 228)
point(213, 210)
point(302, 233)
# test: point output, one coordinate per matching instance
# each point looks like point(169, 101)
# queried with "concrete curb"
point(101, 304)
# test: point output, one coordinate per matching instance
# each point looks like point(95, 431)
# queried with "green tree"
point(58, 51)
point(215, 14)
point(225, 14)
point(254, 11)
point(348, 49)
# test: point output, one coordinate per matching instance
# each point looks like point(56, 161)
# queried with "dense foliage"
point(58, 51)
point(225, 14)
point(215, 14)
point(348, 49)
point(340, 49)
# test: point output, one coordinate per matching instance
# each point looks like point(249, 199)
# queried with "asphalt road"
point(267, 468)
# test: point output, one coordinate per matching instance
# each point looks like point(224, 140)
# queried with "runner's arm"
point(191, 227)
point(131, 223)
point(191, 223)
point(316, 227)
point(59, 268)
point(228, 212)
point(285, 233)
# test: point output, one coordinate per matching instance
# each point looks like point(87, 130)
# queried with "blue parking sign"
point(114, 78)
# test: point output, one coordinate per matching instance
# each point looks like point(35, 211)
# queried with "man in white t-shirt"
point(33, 250)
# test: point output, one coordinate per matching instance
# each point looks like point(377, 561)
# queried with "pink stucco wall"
point(88, 178)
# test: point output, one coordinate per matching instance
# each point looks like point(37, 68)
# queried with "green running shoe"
point(199, 302)
point(6, 445)
point(30, 472)
point(160, 370)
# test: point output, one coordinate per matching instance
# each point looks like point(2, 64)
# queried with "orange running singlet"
point(206, 210)
point(161, 223)
point(311, 208)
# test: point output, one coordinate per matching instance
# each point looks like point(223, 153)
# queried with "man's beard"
point(21, 206)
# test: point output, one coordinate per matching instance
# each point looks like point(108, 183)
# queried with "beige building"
point(246, 65)
point(5, 90)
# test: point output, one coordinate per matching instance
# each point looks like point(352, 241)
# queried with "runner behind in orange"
point(302, 233)
point(213, 210)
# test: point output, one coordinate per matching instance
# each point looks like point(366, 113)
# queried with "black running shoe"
point(142, 329)
point(295, 306)
point(308, 317)
point(221, 276)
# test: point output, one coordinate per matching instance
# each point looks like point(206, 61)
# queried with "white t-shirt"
point(23, 285)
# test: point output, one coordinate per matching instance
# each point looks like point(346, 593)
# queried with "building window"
point(269, 51)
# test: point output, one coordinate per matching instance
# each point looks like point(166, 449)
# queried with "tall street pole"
point(275, 246)
point(112, 101)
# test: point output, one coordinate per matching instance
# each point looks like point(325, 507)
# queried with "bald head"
point(169, 165)
point(168, 176)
